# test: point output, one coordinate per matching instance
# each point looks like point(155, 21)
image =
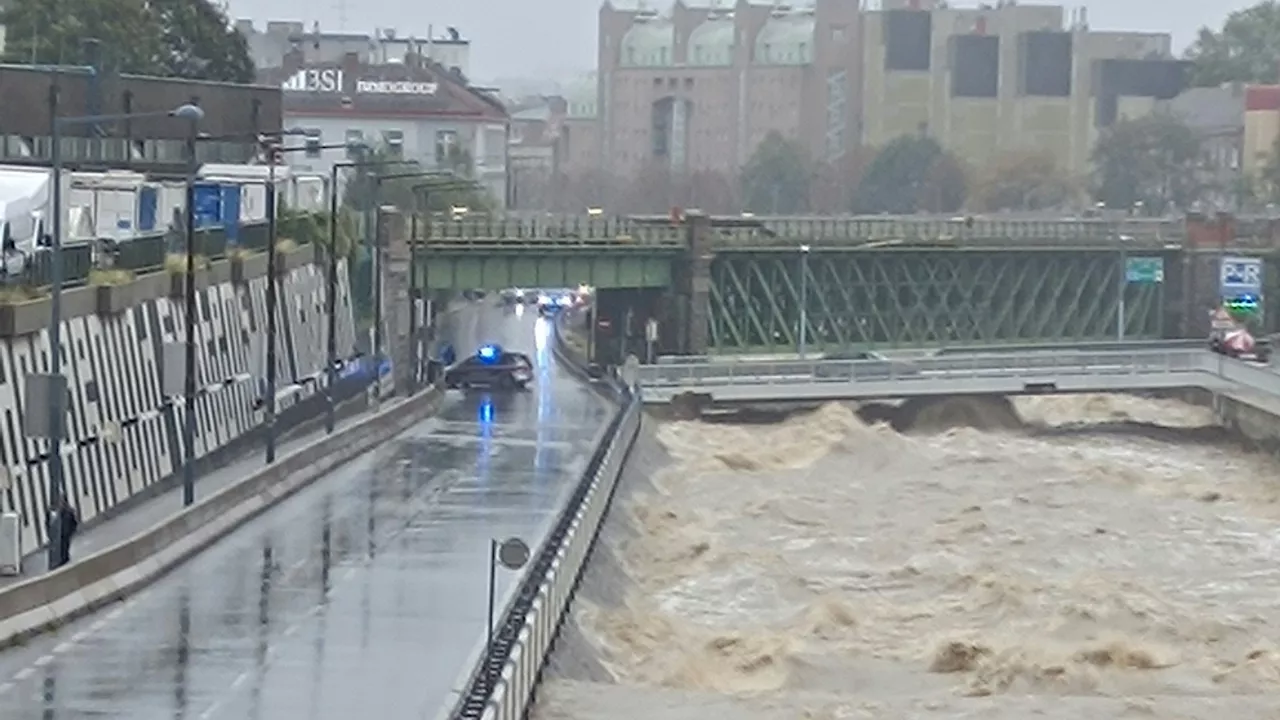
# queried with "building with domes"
point(694, 88)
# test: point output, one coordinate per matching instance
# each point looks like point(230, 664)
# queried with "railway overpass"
point(733, 285)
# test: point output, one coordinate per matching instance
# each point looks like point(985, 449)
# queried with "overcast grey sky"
point(557, 38)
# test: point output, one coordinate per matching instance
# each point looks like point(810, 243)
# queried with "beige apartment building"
point(988, 79)
point(697, 87)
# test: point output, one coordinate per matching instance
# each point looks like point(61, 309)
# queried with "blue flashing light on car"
point(489, 354)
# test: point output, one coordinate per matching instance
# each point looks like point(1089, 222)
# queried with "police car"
point(491, 367)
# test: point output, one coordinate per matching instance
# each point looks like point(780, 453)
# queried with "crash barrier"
point(44, 602)
point(1007, 374)
point(502, 684)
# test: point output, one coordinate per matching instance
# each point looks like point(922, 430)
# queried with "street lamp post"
point(331, 297)
point(378, 332)
point(189, 310)
point(273, 151)
point(57, 399)
point(804, 297)
point(422, 190)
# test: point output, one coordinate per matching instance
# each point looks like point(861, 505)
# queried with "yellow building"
point(993, 79)
point(1261, 128)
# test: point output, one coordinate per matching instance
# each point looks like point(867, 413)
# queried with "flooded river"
point(822, 568)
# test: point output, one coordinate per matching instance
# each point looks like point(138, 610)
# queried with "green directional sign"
point(1144, 270)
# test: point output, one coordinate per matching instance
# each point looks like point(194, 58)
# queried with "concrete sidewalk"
point(134, 517)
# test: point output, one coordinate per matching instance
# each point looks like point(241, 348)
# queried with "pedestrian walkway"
point(134, 518)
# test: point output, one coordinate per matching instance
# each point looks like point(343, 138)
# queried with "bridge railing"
point(554, 231)
point(847, 231)
point(1025, 365)
point(959, 231)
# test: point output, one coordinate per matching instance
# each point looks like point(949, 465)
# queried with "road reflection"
point(49, 692)
point(263, 627)
point(183, 660)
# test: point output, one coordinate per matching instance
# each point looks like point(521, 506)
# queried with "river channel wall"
point(124, 437)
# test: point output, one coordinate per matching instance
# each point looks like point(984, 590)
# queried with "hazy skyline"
point(556, 40)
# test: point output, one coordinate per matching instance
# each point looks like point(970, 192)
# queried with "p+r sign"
point(1240, 275)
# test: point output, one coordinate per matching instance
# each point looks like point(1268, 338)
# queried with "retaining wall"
point(112, 363)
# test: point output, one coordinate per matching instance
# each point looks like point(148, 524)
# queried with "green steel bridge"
point(856, 281)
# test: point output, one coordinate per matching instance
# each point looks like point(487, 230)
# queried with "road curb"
point(49, 601)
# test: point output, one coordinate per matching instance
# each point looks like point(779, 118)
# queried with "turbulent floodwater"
point(821, 568)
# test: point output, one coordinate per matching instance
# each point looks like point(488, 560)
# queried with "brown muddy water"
point(822, 568)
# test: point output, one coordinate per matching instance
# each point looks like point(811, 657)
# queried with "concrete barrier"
point(50, 600)
point(501, 687)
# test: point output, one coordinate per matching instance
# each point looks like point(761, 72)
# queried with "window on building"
point(314, 139)
point(446, 147)
point(394, 140)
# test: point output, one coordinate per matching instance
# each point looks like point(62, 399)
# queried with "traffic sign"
point(1240, 276)
point(1144, 270)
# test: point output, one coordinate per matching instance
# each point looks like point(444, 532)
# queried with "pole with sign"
point(1137, 271)
point(1240, 283)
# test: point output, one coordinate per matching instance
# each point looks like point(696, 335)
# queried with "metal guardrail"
point(1095, 346)
point(867, 232)
point(1010, 373)
point(997, 349)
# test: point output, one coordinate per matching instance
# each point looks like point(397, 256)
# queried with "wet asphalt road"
point(361, 597)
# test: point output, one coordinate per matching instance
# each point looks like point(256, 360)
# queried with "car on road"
point(1239, 344)
point(1231, 338)
point(552, 302)
point(491, 367)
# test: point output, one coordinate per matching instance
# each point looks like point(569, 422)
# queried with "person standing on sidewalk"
point(63, 523)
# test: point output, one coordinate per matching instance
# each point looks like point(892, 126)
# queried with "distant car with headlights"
point(491, 367)
point(551, 303)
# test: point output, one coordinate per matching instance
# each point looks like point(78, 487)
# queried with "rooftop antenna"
point(342, 15)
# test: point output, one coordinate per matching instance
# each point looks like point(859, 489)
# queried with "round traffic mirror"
point(513, 553)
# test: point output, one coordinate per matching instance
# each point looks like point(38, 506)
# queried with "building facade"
point(697, 88)
point(1008, 77)
point(279, 40)
point(414, 109)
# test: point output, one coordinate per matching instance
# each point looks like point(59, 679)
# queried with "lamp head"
point(190, 112)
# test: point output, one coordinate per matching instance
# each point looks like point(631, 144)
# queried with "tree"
point(910, 174)
point(775, 180)
point(1244, 50)
point(167, 38)
point(200, 43)
point(1022, 181)
point(442, 193)
point(1149, 160)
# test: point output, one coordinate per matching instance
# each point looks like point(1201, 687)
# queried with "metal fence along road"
point(1005, 374)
